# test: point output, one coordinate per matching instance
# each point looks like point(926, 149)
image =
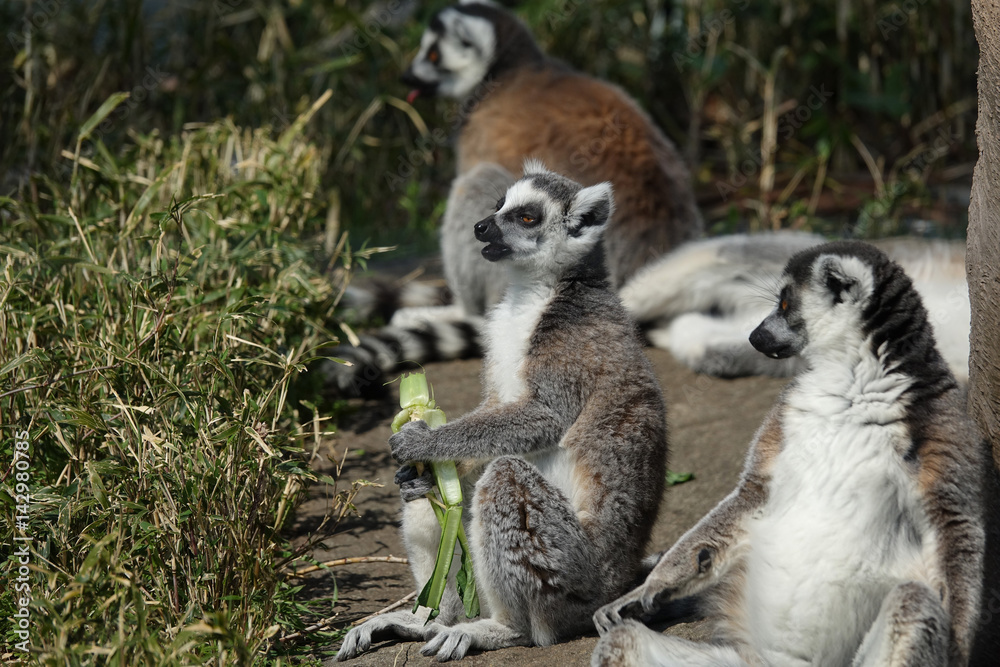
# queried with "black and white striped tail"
point(382, 298)
point(392, 348)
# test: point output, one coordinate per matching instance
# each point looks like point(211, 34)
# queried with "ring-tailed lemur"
point(856, 533)
point(567, 453)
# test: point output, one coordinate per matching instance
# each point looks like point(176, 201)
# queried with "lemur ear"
point(845, 278)
point(591, 209)
point(462, 32)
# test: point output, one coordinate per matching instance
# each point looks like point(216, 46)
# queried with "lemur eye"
point(527, 219)
point(434, 55)
point(783, 299)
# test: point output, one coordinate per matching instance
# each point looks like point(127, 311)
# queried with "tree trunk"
point(983, 270)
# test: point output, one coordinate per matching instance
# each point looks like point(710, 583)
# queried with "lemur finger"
point(353, 645)
point(606, 617)
point(601, 623)
point(433, 630)
point(455, 648)
point(405, 473)
point(364, 640)
point(432, 646)
point(417, 488)
point(346, 651)
point(631, 607)
point(649, 602)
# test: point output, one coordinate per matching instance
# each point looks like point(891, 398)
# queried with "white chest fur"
point(508, 333)
point(843, 523)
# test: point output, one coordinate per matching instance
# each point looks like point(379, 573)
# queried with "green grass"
point(154, 316)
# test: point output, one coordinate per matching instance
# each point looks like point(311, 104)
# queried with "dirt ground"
point(711, 424)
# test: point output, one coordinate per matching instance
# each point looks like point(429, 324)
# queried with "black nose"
point(762, 340)
point(486, 230)
point(766, 342)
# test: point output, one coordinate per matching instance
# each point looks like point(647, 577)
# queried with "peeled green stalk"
point(446, 476)
point(416, 403)
point(432, 592)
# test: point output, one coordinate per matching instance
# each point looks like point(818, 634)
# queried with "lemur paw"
point(411, 443)
point(449, 643)
point(633, 604)
point(357, 641)
point(411, 485)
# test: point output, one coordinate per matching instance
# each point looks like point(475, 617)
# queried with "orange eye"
point(784, 304)
point(433, 56)
point(527, 219)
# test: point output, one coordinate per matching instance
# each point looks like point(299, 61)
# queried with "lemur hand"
point(633, 604)
point(411, 443)
point(412, 485)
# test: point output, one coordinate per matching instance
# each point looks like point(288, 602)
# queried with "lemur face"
point(822, 302)
point(455, 54)
point(546, 220)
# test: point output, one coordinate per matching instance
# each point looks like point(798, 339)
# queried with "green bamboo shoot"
point(417, 403)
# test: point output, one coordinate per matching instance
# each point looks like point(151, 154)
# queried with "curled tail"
point(415, 336)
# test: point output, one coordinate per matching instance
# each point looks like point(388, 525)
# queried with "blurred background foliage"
point(831, 115)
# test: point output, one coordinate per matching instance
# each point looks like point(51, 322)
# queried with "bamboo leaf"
point(102, 112)
point(135, 215)
point(30, 355)
point(97, 485)
point(96, 268)
point(465, 579)
point(87, 420)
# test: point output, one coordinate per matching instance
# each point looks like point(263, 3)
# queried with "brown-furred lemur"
point(517, 104)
